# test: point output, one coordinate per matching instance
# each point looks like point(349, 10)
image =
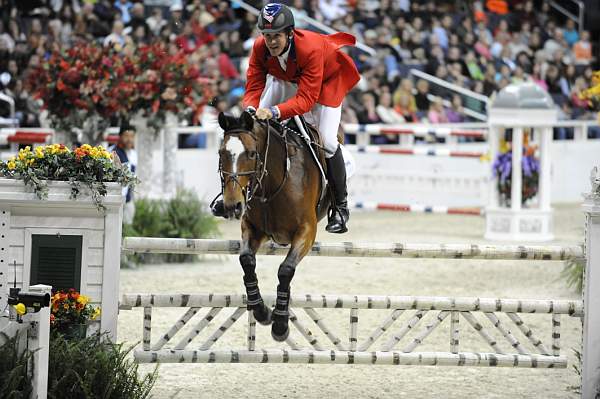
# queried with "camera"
point(33, 301)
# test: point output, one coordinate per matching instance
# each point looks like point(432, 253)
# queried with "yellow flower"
point(39, 152)
point(94, 152)
point(86, 147)
point(96, 313)
point(66, 306)
point(11, 165)
point(82, 299)
point(30, 161)
point(20, 308)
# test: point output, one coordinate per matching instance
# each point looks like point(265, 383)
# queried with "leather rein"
point(255, 188)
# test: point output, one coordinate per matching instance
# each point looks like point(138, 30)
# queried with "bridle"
point(255, 187)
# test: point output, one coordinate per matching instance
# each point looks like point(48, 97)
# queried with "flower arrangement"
point(91, 166)
point(593, 93)
point(169, 82)
point(71, 308)
point(89, 81)
point(502, 169)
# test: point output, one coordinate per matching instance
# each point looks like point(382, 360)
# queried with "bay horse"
point(273, 183)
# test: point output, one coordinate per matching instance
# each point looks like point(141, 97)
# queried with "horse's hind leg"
point(301, 244)
point(251, 241)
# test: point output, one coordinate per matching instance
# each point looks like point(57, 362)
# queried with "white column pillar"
point(170, 155)
point(545, 138)
point(494, 147)
point(39, 343)
point(111, 270)
point(144, 140)
point(590, 373)
point(516, 181)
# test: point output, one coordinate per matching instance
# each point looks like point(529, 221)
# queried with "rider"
point(299, 72)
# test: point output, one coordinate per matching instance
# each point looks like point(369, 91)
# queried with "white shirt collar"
point(283, 58)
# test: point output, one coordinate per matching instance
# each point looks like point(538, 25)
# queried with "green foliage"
point(183, 216)
point(94, 368)
point(573, 273)
point(15, 382)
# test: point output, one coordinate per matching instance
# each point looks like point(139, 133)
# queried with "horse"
point(271, 181)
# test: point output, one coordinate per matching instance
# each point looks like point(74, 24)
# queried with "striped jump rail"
point(417, 208)
point(359, 249)
point(316, 340)
point(419, 131)
point(432, 152)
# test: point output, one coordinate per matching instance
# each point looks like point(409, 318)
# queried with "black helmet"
point(275, 17)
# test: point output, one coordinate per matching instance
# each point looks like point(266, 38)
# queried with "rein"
point(260, 167)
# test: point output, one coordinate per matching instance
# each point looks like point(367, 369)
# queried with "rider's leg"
point(328, 124)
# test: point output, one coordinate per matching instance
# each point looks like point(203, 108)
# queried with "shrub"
point(15, 382)
point(94, 368)
point(183, 216)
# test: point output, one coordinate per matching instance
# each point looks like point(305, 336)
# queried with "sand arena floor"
point(500, 279)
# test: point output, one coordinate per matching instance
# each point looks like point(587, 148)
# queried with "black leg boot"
point(338, 213)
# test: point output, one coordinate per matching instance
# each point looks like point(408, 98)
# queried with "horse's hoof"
point(282, 335)
point(263, 315)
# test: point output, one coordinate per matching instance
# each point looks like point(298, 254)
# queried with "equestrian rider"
point(310, 76)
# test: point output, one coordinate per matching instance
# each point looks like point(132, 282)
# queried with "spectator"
point(368, 114)
point(436, 113)
point(386, 111)
point(156, 21)
point(582, 49)
point(116, 38)
point(571, 34)
point(421, 99)
point(125, 150)
point(124, 7)
point(455, 114)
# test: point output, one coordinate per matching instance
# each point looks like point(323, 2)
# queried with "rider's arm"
point(256, 75)
point(309, 86)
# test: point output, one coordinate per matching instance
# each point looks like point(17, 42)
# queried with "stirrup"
point(337, 219)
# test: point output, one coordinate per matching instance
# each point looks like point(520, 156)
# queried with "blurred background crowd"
point(477, 46)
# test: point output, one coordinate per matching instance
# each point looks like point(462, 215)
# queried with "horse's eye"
point(252, 154)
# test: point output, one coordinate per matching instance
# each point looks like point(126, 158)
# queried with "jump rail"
point(359, 249)
point(325, 346)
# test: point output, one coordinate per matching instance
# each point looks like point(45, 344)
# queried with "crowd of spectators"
point(479, 46)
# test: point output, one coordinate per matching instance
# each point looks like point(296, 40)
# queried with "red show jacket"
point(324, 74)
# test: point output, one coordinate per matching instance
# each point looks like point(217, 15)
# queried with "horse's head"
point(238, 161)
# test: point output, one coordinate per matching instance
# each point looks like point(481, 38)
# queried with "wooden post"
point(590, 373)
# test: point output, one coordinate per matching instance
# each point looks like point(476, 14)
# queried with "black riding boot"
point(218, 209)
point(338, 214)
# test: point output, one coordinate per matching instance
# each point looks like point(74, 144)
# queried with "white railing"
point(451, 87)
point(407, 132)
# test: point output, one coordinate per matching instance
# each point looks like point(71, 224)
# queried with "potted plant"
point(71, 313)
point(502, 170)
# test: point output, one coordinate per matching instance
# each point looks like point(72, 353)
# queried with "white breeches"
point(326, 119)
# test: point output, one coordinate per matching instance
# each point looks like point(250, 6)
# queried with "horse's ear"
point(247, 120)
point(223, 121)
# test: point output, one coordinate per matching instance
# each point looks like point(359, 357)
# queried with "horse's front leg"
point(301, 244)
point(251, 241)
